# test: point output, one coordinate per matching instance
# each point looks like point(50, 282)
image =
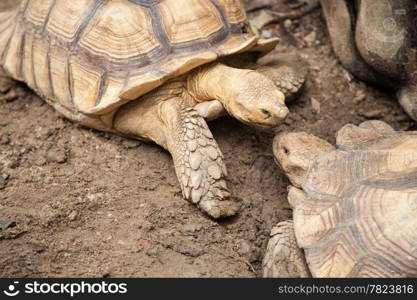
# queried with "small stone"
point(56, 156)
point(266, 34)
point(310, 38)
point(184, 248)
point(15, 164)
point(4, 139)
point(131, 144)
point(73, 215)
point(3, 183)
point(287, 23)
point(191, 228)
point(40, 161)
point(248, 251)
point(373, 114)
point(359, 97)
point(315, 105)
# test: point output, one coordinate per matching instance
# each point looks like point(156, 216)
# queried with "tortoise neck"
point(215, 82)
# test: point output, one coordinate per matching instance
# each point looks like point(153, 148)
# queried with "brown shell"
point(359, 216)
point(92, 56)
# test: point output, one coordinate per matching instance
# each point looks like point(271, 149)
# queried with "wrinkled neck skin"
point(210, 82)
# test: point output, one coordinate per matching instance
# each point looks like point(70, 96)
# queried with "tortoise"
point(153, 70)
point(354, 206)
point(375, 41)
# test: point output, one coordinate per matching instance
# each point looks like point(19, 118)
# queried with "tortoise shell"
point(359, 215)
point(92, 56)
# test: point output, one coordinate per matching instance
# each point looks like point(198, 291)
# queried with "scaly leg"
point(184, 133)
point(283, 257)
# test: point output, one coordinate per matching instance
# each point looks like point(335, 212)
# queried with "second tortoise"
point(354, 207)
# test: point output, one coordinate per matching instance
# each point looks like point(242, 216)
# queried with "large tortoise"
point(152, 70)
point(376, 41)
point(354, 207)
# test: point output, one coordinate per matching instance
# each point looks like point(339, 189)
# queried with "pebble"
point(56, 156)
point(3, 183)
point(315, 105)
point(310, 38)
point(266, 34)
point(131, 144)
point(248, 251)
point(287, 23)
point(371, 114)
point(4, 139)
point(191, 228)
point(359, 97)
point(73, 215)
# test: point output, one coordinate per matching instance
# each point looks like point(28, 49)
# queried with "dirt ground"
point(88, 203)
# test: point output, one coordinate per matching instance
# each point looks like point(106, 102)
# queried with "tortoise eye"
point(266, 113)
point(285, 150)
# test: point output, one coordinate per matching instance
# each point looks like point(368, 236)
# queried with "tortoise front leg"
point(184, 133)
point(283, 257)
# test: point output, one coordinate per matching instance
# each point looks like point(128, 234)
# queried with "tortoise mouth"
point(263, 126)
point(268, 121)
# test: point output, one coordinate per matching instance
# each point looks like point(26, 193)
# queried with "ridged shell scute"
point(234, 11)
point(120, 31)
point(75, 12)
point(359, 216)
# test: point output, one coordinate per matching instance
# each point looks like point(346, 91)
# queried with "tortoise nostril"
point(266, 113)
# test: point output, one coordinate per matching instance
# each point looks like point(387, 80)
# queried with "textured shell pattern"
point(92, 56)
point(359, 216)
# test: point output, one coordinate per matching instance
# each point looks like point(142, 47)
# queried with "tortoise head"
point(247, 95)
point(296, 152)
point(256, 101)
